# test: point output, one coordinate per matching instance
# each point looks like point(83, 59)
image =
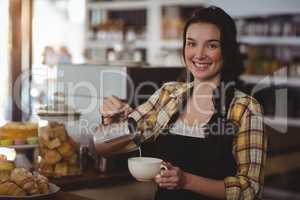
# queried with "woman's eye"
point(213, 45)
point(190, 44)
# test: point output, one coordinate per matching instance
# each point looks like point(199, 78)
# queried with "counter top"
point(90, 179)
point(67, 196)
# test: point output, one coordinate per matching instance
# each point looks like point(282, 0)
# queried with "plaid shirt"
point(249, 143)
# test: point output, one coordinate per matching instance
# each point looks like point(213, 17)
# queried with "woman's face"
point(203, 54)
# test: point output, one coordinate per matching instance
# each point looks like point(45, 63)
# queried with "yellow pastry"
point(20, 130)
point(32, 140)
point(6, 165)
point(53, 143)
point(6, 142)
point(58, 152)
point(52, 157)
point(61, 169)
point(66, 150)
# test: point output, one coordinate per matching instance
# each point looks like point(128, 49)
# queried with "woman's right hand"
point(111, 107)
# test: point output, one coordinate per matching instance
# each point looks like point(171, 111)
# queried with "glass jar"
point(58, 152)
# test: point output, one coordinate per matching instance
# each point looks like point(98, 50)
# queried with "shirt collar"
point(181, 89)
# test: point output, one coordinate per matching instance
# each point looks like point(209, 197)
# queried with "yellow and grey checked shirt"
point(249, 144)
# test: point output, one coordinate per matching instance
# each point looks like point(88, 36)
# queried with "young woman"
point(210, 135)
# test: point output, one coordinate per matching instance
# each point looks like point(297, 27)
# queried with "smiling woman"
point(208, 163)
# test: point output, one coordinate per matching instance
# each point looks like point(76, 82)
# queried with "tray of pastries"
point(20, 183)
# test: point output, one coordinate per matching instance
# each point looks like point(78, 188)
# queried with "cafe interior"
point(61, 58)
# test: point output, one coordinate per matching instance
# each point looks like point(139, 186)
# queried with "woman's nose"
point(200, 52)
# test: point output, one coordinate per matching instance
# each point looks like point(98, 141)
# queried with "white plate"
point(53, 189)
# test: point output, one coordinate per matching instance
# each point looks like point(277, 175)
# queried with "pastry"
point(57, 151)
point(66, 150)
point(19, 141)
point(20, 130)
point(25, 179)
point(61, 169)
point(46, 133)
point(32, 140)
point(52, 157)
point(42, 183)
point(6, 142)
point(46, 169)
point(6, 165)
point(12, 189)
point(21, 182)
point(4, 175)
point(53, 143)
point(60, 132)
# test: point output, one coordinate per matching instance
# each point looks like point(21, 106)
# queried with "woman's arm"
point(111, 107)
point(175, 178)
point(250, 151)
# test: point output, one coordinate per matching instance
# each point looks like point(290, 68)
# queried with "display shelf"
point(264, 12)
point(270, 40)
point(254, 40)
point(274, 80)
point(110, 44)
point(282, 121)
point(171, 44)
point(183, 2)
point(154, 10)
point(141, 4)
point(154, 42)
point(119, 5)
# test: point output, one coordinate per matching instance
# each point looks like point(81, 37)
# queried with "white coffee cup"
point(145, 168)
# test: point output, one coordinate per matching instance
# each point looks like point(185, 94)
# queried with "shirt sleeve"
point(249, 150)
point(145, 116)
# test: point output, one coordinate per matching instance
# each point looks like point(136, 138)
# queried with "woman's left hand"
point(172, 178)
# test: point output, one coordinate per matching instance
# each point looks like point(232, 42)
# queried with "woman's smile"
point(201, 66)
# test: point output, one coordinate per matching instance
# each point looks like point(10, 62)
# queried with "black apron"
point(209, 157)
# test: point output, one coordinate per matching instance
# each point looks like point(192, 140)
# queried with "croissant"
point(21, 182)
point(25, 179)
point(12, 189)
point(42, 183)
point(4, 175)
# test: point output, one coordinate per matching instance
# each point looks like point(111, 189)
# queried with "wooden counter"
point(90, 179)
point(68, 196)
